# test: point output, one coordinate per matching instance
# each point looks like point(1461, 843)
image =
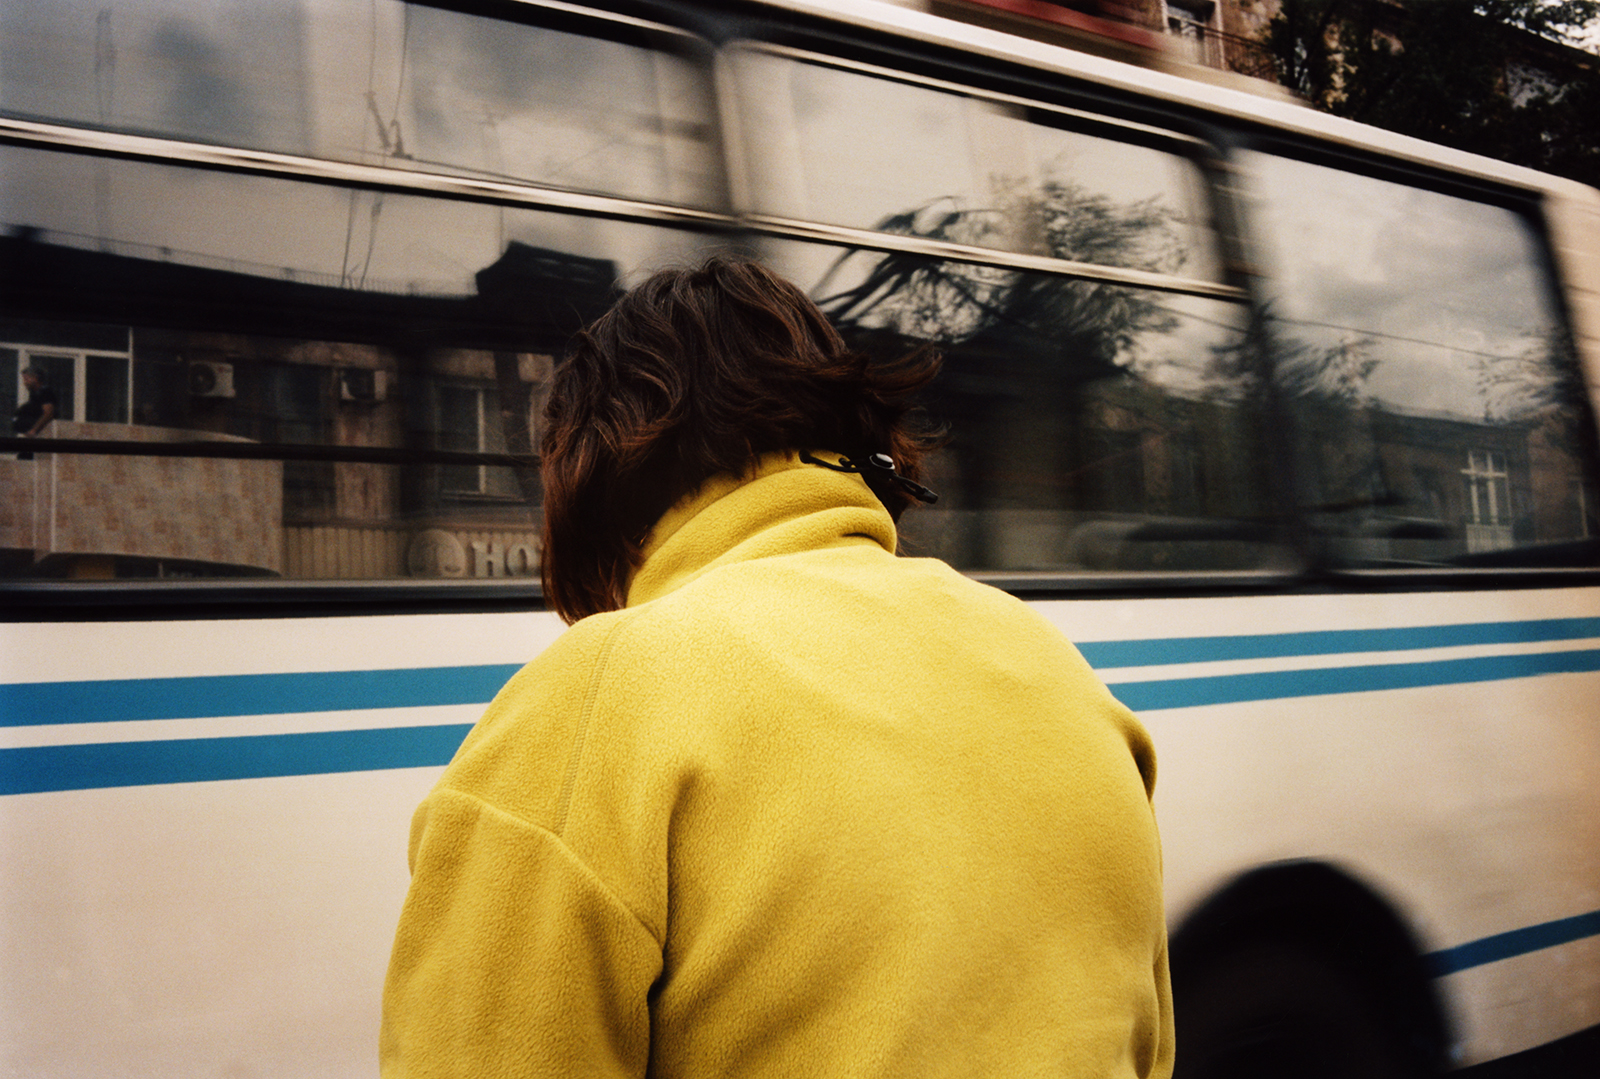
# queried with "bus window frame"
point(1528, 206)
point(1209, 139)
point(1196, 150)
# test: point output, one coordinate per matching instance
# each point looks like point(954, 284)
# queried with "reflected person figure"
point(778, 802)
point(34, 414)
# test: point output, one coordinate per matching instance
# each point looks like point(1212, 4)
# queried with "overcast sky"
point(1432, 286)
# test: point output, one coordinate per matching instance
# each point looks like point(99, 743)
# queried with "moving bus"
point(1288, 422)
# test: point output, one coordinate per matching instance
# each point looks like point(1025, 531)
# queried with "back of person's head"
point(693, 374)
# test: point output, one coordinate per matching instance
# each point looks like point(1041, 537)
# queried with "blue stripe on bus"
point(80, 767)
point(197, 760)
point(43, 703)
point(1332, 641)
point(1517, 942)
point(37, 769)
point(1322, 681)
point(31, 704)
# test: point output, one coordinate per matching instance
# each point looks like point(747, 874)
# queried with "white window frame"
point(27, 353)
point(1201, 35)
point(482, 421)
point(1488, 483)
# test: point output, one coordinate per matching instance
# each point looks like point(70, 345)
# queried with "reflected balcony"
point(91, 515)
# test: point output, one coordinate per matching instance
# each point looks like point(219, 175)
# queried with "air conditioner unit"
point(208, 379)
point(363, 384)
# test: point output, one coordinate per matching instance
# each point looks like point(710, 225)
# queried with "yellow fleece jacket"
point(803, 808)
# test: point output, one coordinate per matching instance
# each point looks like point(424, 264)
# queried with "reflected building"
point(1130, 478)
point(307, 372)
point(1397, 489)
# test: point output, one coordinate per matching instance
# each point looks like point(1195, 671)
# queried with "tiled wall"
point(225, 512)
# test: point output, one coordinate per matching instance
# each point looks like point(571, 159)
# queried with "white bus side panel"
point(1473, 806)
point(232, 929)
point(216, 929)
point(242, 927)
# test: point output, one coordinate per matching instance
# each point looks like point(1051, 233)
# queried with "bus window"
point(1089, 430)
point(870, 151)
point(387, 355)
point(381, 83)
point(1091, 427)
point(1436, 402)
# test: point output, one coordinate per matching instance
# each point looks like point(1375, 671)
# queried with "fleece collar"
point(781, 506)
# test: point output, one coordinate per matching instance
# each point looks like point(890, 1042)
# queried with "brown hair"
point(693, 374)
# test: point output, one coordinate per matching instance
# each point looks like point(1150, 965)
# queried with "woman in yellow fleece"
point(779, 803)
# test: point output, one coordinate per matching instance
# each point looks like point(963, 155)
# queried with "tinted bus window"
point(1090, 427)
point(1437, 405)
point(865, 151)
point(381, 83)
point(315, 319)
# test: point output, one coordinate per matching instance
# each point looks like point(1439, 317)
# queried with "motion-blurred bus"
point(1287, 421)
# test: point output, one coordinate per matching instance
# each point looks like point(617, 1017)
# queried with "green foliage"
point(1472, 74)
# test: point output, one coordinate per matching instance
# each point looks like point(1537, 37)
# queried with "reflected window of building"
point(352, 340)
point(107, 387)
point(468, 420)
point(61, 375)
point(1488, 501)
point(461, 426)
point(86, 366)
point(1197, 25)
point(1414, 336)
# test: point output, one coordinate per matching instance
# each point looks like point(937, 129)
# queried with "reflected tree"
point(1021, 349)
point(1322, 392)
point(1087, 327)
point(1544, 377)
point(1336, 373)
point(1267, 361)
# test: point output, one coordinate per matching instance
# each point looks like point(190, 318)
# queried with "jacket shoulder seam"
point(572, 856)
point(558, 824)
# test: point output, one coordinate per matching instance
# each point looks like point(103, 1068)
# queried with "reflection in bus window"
point(857, 150)
point(379, 83)
point(293, 315)
point(86, 366)
point(1437, 404)
point(1089, 428)
point(333, 363)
